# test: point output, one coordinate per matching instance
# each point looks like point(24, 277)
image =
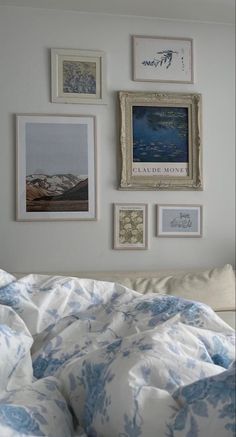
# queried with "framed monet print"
point(160, 141)
point(162, 59)
point(130, 226)
point(78, 76)
point(179, 220)
point(56, 167)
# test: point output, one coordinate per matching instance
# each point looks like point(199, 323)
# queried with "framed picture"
point(56, 167)
point(78, 76)
point(160, 141)
point(162, 59)
point(130, 226)
point(179, 220)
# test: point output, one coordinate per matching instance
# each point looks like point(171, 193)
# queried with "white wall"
point(26, 35)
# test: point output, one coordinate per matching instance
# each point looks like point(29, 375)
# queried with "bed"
point(118, 354)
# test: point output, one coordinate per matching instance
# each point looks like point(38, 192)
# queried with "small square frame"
point(179, 220)
point(130, 226)
point(78, 76)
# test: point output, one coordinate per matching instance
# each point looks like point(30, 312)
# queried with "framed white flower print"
point(130, 226)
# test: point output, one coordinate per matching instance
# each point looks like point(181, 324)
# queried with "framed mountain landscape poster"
point(56, 167)
point(160, 141)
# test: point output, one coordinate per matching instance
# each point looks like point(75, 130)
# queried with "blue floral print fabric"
point(208, 406)
point(81, 357)
point(15, 343)
point(37, 409)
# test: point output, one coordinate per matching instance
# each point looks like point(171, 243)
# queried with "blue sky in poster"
point(53, 148)
point(160, 134)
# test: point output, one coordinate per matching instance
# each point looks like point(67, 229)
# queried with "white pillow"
point(215, 287)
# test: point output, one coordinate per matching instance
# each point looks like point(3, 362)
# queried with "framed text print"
point(179, 220)
point(162, 59)
point(56, 167)
point(160, 141)
point(78, 76)
point(130, 226)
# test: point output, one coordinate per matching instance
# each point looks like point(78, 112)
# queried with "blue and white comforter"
point(80, 357)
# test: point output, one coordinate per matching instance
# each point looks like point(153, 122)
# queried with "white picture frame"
point(179, 220)
point(130, 226)
point(56, 167)
point(78, 76)
point(162, 59)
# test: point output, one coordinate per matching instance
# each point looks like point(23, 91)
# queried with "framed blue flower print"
point(78, 76)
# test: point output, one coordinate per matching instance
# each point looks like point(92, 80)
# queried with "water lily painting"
point(130, 226)
point(162, 59)
point(56, 167)
point(160, 135)
point(160, 141)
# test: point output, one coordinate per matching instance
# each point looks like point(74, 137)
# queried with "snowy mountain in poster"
point(64, 192)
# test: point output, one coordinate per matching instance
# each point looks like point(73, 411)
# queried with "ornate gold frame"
point(191, 181)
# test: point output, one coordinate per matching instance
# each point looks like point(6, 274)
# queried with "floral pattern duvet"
point(80, 357)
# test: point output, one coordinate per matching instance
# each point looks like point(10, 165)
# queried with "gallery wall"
point(26, 36)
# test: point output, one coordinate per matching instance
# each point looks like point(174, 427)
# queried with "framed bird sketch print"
point(162, 59)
